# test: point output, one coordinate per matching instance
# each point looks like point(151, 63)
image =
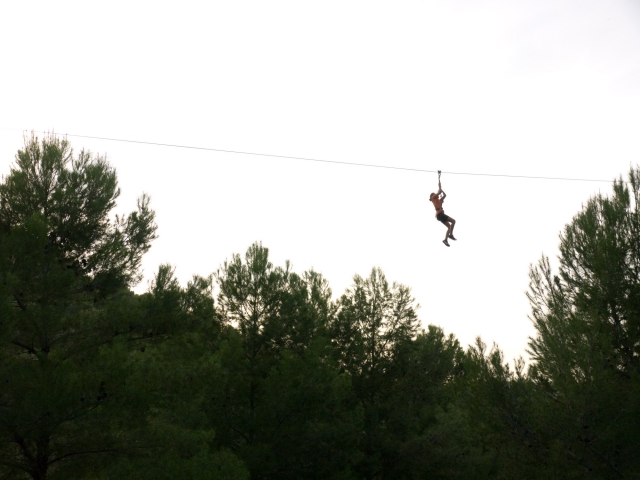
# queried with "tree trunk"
point(41, 460)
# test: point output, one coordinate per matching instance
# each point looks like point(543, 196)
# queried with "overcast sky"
point(544, 88)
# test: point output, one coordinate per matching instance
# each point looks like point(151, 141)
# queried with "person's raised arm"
point(440, 191)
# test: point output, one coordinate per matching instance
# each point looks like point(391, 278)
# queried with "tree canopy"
point(255, 371)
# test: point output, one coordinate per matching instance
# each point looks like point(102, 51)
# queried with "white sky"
point(548, 88)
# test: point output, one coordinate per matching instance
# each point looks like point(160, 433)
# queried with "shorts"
point(441, 217)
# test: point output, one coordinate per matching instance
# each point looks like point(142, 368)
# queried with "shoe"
point(445, 242)
point(452, 237)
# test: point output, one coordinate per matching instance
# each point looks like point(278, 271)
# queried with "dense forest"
point(259, 372)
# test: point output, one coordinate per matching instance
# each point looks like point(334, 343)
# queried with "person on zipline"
point(437, 199)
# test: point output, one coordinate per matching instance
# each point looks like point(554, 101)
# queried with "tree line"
point(258, 372)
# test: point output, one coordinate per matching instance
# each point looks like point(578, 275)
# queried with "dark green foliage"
point(587, 351)
point(221, 465)
point(423, 428)
point(65, 269)
point(399, 378)
point(63, 202)
point(501, 405)
point(277, 380)
point(373, 319)
point(575, 413)
point(72, 333)
point(277, 398)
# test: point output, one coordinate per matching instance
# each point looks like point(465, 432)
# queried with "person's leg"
point(452, 223)
point(448, 225)
point(446, 222)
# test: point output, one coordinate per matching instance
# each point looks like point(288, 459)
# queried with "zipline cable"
point(306, 159)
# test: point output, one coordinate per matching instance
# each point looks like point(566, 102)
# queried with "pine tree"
point(67, 316)
point(373, 320)
point(586, 354)
point(277, 398)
